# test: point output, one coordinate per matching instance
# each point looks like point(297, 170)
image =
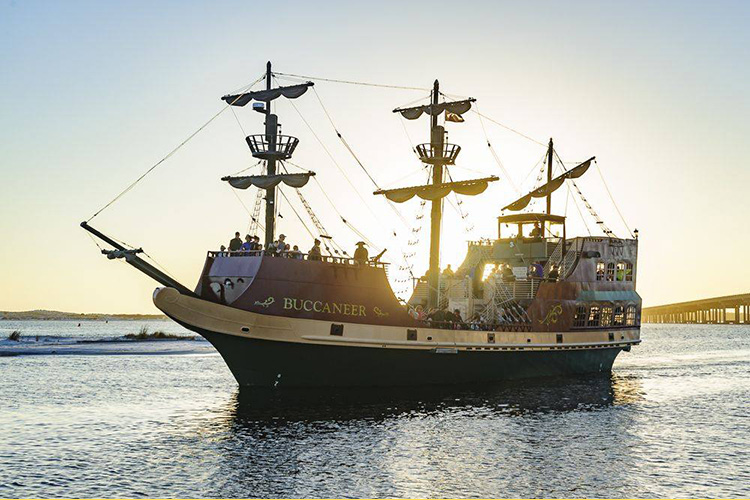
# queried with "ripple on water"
point(671, 422)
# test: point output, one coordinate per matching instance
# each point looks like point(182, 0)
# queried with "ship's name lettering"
point(321, 306)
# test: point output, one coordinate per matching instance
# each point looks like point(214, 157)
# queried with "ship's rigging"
point(274, 150)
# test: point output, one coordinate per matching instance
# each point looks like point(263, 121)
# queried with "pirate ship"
point(334, 321)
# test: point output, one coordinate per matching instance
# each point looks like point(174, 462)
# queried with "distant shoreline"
point(44, 315)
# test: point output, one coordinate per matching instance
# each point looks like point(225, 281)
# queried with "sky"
point(92, 94)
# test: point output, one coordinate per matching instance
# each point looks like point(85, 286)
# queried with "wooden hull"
point(272, 351)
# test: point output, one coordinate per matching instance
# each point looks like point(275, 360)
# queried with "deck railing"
point(348, 261)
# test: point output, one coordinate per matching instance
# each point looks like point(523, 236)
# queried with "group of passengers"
point(439, 317)
point(535, 271)
point(442, 317)
point(280, 248)
point(252, 244)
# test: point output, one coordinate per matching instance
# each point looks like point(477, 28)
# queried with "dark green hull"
point(263, 363)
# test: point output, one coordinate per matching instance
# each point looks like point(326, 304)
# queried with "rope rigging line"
point(607, 231)
point(401, 120)
point(328, 152)
point(458, 207)
point(580, 213)
point(255, 216)
point(613, 199)
point(509, 128)
point(343, 141)
point(343, 219)
point(295, 213)
point(494, 154)
point(248, 168)
point(348, 148)
point(316, 221)
point(132, 185)
point(351, 82)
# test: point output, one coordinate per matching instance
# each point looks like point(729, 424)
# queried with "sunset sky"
point(94, 93)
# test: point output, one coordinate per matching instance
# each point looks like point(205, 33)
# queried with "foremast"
point(272, 147)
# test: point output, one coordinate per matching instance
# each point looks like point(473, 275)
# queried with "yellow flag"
point(453, 117)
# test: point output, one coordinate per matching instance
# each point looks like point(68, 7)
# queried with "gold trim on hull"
point(226, 320)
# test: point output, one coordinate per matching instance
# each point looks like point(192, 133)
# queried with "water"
point(116, 418)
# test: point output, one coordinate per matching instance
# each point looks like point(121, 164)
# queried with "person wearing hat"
point(282, 246)
point(361, 255)
point(314, 253)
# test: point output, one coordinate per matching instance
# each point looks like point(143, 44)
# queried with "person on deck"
point(361, 255)
point(507, 274)
point(235, 243)
point(248, 245)
point(281, 245)
point(536, 232)
point(458, 321)
point(256, 243)
point(314, 253)
point(271, 249)
point(553, 273)
point(439, 317)
point(294, 253)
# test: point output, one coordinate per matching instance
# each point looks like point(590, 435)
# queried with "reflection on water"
point(516, 398)
point(670, 422)
point(515, 439)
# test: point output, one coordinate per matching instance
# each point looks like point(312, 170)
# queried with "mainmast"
point(437, 141)
point(550, 152)
point(438, 154)
point(271, 146)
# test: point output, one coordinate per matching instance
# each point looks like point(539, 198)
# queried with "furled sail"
point(550, 187)
point(269, 181)
point(455, 107)
point(432, 192)
point(290, 92)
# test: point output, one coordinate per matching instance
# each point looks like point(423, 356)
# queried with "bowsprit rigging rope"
point(169, 155)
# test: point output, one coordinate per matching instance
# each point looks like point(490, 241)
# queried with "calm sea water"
point(85, 413)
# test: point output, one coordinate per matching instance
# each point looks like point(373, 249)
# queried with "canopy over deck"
point(530, 218)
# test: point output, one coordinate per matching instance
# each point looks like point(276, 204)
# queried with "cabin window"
point(600, 271)
point(594, 316)
point(580, 317)
point(610, 271)
point(620, 271)
point(411, 334)
point(606, 316)
point(337, 329)
point(628, 271)
point(630, 316)
point(559, 338)
point(618, 317)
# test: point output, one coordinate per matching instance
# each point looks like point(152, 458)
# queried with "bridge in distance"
point(730, 309)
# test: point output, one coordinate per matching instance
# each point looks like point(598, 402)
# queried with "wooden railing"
point(348, 261)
